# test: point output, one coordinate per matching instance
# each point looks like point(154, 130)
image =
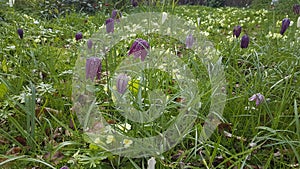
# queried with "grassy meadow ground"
point(38, 128)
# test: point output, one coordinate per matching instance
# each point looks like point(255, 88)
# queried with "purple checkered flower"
point(296, 9)
point(245, 41)
point(93, 68)
point(89, 44)
point(258, 98)
point(116, 15)
point(20, 33)
point(237, 31)
point(110, 25)
point(134, 3)
point(189, 41)
point(78, 36)
point(285, 24)
point(122, 82)
point(64, 167)
point(139, 49)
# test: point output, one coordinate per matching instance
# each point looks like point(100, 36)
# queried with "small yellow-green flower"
point(134, 85)
point(124, 127)
point(110, 139)
point(127, 143)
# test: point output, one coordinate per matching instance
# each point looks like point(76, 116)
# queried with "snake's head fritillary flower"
point(245, 41)
point(64, 167)
point(78, 36)
point(285, 24)
point(20, 33)
point(93, 68)
point(274, 2)
point(189, 41)
point(134, 3)
point(89, 44)
point(122, 82)
point(151, 163)
point(296, 9)
point(110, 25)
point(258, 98)
point(237, 31)
point(116, 15)
point(139, 49)
point(164, 17)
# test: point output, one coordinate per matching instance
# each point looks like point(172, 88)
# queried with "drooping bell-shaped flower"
point(245, 41)
point(198, 21)
point(20, 33)
point(164, 17)
point(139, 49)
point(258, 98)
point(237, 31)
point(122, 82)
point(151, 163)
point(78, 36)
point(116, 15)
point(110, 25)
point(93, 68)
point(296, 9)
point(274, 2)
point(285, 24)
point(298, 22)
point(89, 44)
point(189, 41)
point(64, 167)
point(134, 3)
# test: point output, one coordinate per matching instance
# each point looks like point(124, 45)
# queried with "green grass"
point(39, 128)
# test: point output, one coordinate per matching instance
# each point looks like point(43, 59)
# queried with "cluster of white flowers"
point(271, 35)
point(41, 89)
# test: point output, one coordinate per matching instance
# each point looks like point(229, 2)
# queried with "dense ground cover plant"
point(38, 127)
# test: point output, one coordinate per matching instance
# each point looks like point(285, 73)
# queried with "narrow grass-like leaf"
point(297, 119)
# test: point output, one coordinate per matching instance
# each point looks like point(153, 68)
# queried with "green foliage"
point(215, 3)
point(41, 113)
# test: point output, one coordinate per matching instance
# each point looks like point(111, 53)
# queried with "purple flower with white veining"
point(122, 82)
point(285, 24)
point(64, 167)
point(93, 68)
point(296, 9)
point(245, 41)
point(78, 36)
point(189, 41)
point(134, 3)
point(258, 98)
point(237, 31)
point(139, 49)
point(20, 33)
point(89, 44)
point(110, 25)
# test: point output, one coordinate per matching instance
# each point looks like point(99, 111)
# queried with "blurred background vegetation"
point(56, 8)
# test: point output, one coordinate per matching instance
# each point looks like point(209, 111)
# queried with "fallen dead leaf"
point(21, 140)
point(14, 151)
